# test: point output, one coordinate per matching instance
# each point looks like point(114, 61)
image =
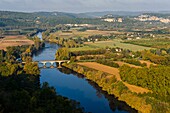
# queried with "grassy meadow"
point(155, 43)
point(116, 43)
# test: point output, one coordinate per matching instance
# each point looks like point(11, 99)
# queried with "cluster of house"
point(132, 36)
point(120, 20)
point(152, 18)
point(79, 25)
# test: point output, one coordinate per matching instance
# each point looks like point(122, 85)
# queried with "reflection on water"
point(114, 104)
point(48, 53)
point(75, 86)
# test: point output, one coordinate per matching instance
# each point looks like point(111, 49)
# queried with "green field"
point(155, 43)
point(117, 43)
point(113, 44)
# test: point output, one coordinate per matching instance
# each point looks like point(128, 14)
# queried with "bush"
point(135, 62)
point(108, 63)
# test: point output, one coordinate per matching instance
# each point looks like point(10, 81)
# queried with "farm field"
point(85, 34)
point(84, 48)
point(117, 43)
point(104, 68)
point(113, 71)
point(155, 43)
point(14, 41)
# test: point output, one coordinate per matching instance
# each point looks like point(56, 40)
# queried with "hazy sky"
point(85, 5)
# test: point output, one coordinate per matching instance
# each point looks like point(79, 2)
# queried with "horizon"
point(84, 6)
point(140, 11)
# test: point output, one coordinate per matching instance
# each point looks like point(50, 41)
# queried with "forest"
point(20, 89)
point(155, 78)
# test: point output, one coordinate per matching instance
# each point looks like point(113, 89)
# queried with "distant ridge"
point(87, 14)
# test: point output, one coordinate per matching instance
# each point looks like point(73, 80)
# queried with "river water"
point(76, 87)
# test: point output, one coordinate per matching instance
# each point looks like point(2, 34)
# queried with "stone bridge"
point(52, 62)
point(44, 62)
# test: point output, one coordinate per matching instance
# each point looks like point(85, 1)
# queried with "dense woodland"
point(20, 90)
point(155, 78)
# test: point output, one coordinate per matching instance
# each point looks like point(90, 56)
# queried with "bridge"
point(44, 62)
point(52, 62)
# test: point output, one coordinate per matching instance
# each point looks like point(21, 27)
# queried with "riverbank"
point(114, 72)
point(110, 84)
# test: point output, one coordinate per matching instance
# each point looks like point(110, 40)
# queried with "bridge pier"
point(52, 63)
point(44, 63)
point(59, 62)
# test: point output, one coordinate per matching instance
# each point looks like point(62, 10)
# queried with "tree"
point(37, 43)
point(31, 68)
point(63, 54)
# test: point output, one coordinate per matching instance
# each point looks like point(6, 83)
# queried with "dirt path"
point(113, 71)
point(148, 63)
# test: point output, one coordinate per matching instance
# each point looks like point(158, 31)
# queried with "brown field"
point(14, 41)
point(113, 71)
point(104, 68)
point(136, 89)
point(123, 63)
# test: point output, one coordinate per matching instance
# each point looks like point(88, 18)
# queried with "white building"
point(109, 19)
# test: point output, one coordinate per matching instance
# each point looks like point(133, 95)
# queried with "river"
point(73, 86)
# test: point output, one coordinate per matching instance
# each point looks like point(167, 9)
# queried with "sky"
point(78, 6)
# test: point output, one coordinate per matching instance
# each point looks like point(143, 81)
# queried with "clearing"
point(14, 41)
point(114, 71)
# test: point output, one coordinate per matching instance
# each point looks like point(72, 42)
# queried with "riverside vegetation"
point(142, 102)
point(155, 78)
point(20, 90)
